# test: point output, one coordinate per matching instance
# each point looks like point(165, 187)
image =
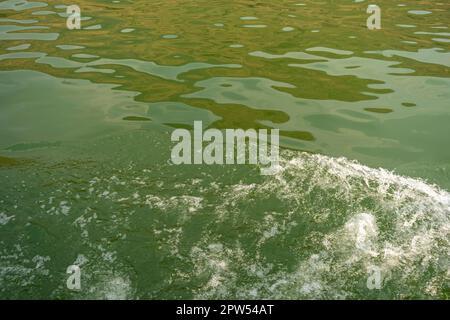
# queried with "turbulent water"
point(362, 186)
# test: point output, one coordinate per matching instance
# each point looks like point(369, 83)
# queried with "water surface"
point(85, 124)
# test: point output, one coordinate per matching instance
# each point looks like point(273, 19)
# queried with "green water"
point(85, 123)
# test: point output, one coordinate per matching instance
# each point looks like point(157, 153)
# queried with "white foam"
point(4, 219)
point(396, 224)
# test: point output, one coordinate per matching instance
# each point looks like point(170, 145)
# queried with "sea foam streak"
point(399, 225)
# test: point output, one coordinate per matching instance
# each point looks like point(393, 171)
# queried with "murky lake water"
point(85, 123)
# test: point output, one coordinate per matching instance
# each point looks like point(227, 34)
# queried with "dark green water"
point(85, 123)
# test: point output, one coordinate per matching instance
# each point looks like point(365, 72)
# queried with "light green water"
point(85, 123)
